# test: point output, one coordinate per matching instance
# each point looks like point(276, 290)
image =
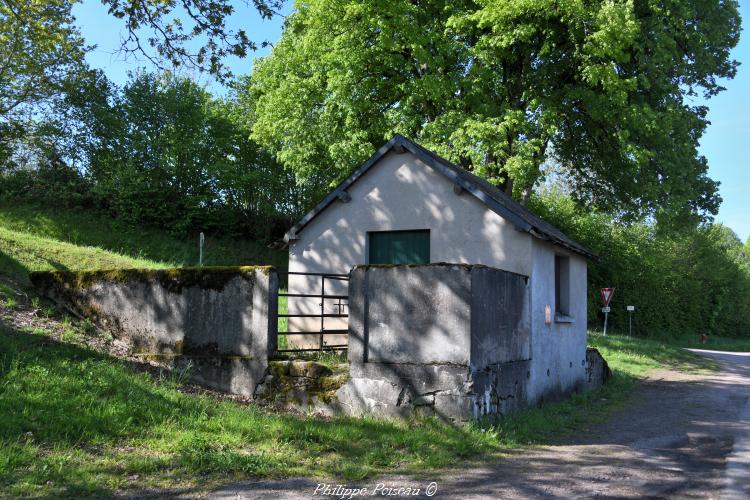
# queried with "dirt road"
point(684, 436)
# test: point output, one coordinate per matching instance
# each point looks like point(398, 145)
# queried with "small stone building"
point(407, 205)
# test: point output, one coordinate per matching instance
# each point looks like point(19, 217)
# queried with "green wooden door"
point(399, 247)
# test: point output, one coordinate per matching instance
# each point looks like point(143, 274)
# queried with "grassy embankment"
point(78, 422)
point(40, 239)
point(716, 343)
point(33, 239)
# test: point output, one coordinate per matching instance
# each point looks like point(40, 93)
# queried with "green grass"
point(23, 252)
point(636, 356)
point(76, 423)
point(630, 359)
point(36, 238)
point(79, 423)
point(716, 343)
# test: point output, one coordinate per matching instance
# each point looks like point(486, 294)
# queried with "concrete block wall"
point(451, 340)
point(218, 321)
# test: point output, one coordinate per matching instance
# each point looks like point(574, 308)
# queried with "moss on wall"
point(302, 383)
point(73, 290)
point(174, 280)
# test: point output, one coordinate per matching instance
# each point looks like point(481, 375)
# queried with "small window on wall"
point(399, 247)
point(562, 287)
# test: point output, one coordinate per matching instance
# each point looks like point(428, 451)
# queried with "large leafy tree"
point(163, 150)
point(599, 93)
point(681, 282)
point(40, 48)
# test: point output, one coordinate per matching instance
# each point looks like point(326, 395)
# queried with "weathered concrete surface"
point(682, 436)
point(500, 319)
point(418, 314)
point(501, 388)
point(218, 322)
point(558, 347)
point(597, 369)
point(445, 339)
point(403, 390)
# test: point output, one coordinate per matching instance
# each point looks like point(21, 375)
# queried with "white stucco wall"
point(399, 193)
point(558, 347)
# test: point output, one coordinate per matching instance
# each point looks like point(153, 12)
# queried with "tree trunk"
point(525, 196)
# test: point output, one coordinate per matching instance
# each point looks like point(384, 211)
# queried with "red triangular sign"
point(607, 294)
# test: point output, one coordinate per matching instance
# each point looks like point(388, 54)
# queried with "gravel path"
point(683, 436)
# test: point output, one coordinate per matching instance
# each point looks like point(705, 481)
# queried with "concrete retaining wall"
point(451, 340)
point(219, 322)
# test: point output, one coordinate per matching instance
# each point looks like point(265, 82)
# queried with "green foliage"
point(39, 48)
point(594, 90)
point(22, 252)
point(635, 357)
point(50, 181)
point(630, 359)
point(80, 423)
point(77, 423)
point(40, 52)
point(163, 151)
point(684, 283)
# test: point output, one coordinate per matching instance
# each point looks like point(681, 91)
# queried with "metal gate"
point(341, 304)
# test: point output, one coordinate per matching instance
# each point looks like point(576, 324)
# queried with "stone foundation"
point(305, 386)
point(597, 369)
point(450, 340)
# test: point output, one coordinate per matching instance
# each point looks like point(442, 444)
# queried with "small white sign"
point(605, 309)
point(631, 308)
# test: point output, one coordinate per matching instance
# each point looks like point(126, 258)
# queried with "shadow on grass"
point(77, 422)
point(14, 269)
point(18, 272)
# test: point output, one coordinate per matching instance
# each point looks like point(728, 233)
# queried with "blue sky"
point(726, 144)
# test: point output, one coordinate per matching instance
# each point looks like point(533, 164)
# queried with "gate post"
point(322, 310)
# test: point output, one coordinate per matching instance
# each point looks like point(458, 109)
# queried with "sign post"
point(607, 294)
point(201, 243)
point(630, 320)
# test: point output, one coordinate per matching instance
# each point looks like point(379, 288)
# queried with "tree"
point(681, 282)
point(173, 25)
point(163, 151)
point(596, 92)
point(39, 50)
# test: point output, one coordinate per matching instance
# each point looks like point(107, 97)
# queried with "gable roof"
point(492, 197)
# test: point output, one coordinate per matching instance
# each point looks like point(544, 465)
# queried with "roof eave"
point(401, 144)
point(573, 248)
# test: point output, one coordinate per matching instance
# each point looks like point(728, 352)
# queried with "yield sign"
point(607, 294)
